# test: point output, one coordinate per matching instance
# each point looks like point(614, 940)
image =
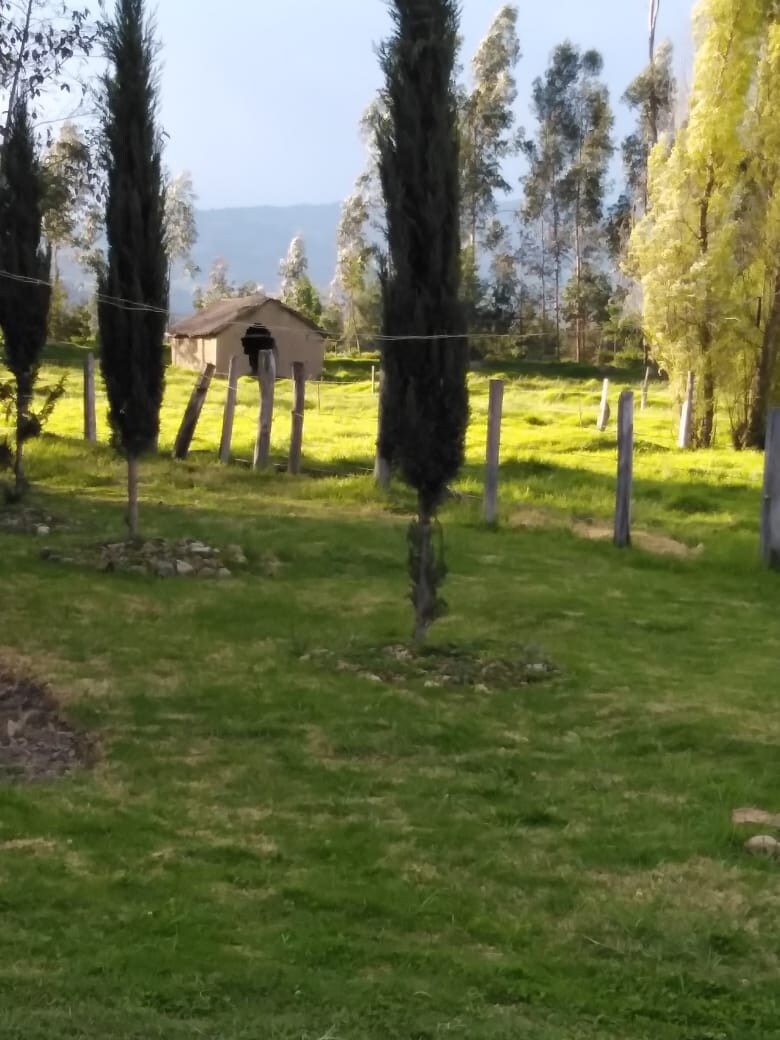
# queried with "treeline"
point(544, 277)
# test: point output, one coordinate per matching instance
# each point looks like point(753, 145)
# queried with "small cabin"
point(214, 335)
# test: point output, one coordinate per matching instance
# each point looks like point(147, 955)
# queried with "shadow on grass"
point(562, 370)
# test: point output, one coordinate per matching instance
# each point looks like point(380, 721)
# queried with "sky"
point(261, 99)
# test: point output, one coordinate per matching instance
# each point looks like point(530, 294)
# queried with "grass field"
point(273, 847)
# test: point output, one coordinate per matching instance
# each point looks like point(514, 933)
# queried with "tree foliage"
point(487, 119)
point(298, 290)
point(220, 286)
point(39, 39)
point(567, 165)
point(25, 260)
point(181, 229)
point(707, 248)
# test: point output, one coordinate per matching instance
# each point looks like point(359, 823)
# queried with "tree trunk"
point(556, 230)
point(424, 588)
point(707, 425)
point(24, 393)
point(578, 277)
point(761, 389)
point(132, 496)
point(653, 105)
point(543, 276)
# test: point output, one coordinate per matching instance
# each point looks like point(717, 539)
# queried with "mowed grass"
point(270, 847)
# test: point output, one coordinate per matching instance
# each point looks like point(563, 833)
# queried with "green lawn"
point(274, 847)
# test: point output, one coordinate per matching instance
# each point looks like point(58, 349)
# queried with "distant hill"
point(252, 241)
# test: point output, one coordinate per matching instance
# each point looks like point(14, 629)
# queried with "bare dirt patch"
point(36, 742)
point(649, 540)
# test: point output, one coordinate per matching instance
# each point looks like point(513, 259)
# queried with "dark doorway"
point(255, 339)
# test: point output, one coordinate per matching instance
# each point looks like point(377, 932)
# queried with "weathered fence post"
point(625, 477)
point(299, 406)
point(373, 379)
point(645, 387)
point(383, 470)
point(686, 419)
point(192, 413)
point(266, 372)
point(230, 411)
point(90, 419)
point(495, 410)
point(604, 411)
point(770, 505)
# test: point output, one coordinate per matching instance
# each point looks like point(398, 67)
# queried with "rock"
point(164, 569)
point(223, 574)
point(106, 565)
point(139, 570)
point(235, 554)
point(763, 845)
point(43, 530)
point(184, 569)
point(199, 549)
point(272, 565)
point(207, 572)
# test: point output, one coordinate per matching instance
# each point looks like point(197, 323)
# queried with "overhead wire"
point(136, 306)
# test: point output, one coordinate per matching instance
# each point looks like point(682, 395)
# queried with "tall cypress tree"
point(25, 294)
point(425, 398)
point(133, 287)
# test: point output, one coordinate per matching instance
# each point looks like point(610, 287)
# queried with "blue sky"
point(262, 98)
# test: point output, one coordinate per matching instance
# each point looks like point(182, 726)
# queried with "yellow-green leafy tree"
point(697, 270)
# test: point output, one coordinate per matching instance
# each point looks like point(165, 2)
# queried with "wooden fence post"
point(645, 387)
point(604, 410)
point(770, 505)
point(230, 411)
point(186, 432)
point(373, 379)
point(299, 406)
point(383, 470)
point(625, 477)
point(90, 419)
point(266, 371)
point(495, 410)
point(686, 419)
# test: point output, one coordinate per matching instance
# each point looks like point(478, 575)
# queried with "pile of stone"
point(28, 520)
point(160, 557)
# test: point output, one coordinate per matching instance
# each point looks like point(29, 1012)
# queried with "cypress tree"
point(133, 287)
point(425, 397)
point(25, 294)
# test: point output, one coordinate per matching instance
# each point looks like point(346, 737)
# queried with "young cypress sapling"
point(133, 284)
